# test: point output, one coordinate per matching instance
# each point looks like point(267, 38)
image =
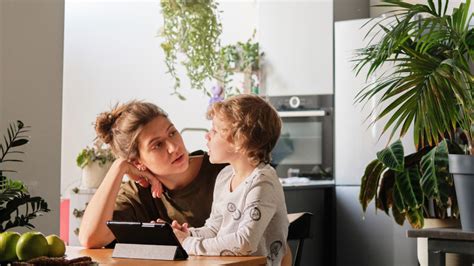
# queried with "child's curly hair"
point(253, 125)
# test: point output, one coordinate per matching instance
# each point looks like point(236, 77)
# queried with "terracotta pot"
point(422, 244)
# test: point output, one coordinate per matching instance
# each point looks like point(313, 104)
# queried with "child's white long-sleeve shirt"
point(251, 220)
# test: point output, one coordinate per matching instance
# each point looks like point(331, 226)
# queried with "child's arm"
point(260, 207)
point(213, 223)
point(210, 228)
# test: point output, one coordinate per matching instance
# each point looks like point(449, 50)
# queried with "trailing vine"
point(191, 28)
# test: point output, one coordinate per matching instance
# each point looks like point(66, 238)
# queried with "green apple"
point(56, 247)
point(31, 245)
point(8, 242)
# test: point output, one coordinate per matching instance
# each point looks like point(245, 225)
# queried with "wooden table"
point(104, 256)
point(445, 240)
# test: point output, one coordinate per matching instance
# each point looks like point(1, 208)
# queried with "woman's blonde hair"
point(253, 125)
point(121, 126)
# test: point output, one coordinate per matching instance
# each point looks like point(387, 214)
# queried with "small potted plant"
point(94, 161)
point(242, 57)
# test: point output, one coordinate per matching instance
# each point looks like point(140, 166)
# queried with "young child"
point(248, 214)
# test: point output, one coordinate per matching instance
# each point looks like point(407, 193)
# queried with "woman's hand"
point(156, 187)
point(144, 179)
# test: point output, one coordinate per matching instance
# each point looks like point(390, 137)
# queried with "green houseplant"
point(98, 153)
point(17, 207)
point(191, 29)
point(94, 161)
point(431, 90)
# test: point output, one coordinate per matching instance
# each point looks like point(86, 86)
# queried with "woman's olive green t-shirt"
point(191, 204)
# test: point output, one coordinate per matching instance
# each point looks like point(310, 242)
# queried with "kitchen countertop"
point(308, 185)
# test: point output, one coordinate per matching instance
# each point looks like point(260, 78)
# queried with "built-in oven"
point(305, 147)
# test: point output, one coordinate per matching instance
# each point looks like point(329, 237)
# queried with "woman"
point(148, 148)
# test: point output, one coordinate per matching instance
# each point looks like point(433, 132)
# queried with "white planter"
point(93, 174)
point(422, 244)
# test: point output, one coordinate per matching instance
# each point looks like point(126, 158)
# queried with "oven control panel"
point(301, 102)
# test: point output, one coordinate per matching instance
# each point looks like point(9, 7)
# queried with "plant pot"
point(422, 244)
point(93, 174)
point(462, 168)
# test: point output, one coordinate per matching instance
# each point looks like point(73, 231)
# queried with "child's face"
point(220, 149)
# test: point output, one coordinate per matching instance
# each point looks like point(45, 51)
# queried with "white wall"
point(112, 53)
point(31, 50)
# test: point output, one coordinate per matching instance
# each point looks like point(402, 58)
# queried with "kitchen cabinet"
point(317, 198)
point(351, 9)
point(297, 40)
point(371, 238)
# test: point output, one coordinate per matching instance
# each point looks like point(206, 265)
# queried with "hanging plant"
point(191, 28)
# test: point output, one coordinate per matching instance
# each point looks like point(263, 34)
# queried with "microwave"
point(306, 143)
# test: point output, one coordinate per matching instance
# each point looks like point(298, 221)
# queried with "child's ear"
point(139, 165)
point(237, 149)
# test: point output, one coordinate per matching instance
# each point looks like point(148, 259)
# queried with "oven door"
point(305, 145)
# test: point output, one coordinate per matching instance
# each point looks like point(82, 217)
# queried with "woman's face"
point(220, 149)
point(161, 148)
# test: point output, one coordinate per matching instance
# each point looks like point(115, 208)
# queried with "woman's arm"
point(93, 232)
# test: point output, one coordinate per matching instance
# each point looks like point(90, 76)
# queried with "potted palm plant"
point(430, 90)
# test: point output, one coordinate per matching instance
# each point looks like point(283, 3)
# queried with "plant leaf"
point(415, 218)
point(407, 190)
point(434, 167)
point(19, 142)
point(36, 206)
point(392, 156)
point(370, 182)
point(385, 195)
point(398, 216)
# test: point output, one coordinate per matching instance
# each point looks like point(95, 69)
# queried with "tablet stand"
point(146, 251)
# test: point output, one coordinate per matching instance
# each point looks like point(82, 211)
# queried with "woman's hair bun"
point(103, 126)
